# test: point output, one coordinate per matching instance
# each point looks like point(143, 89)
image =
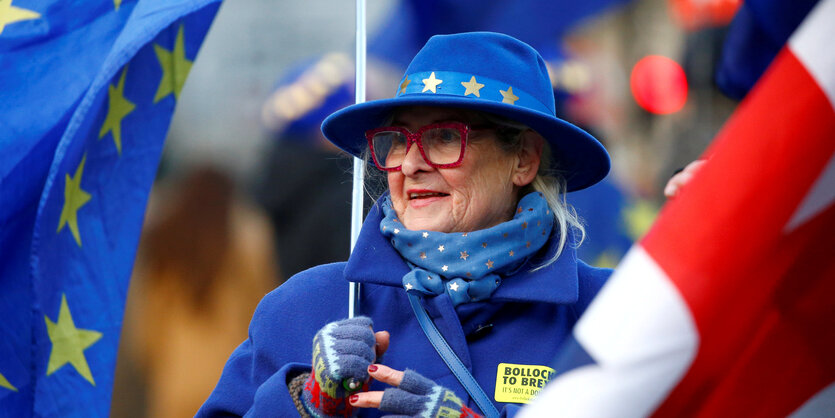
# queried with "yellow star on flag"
point(4, 383)
point(404, 84)
point(118, 108)
point(431, 83)
point(606, 259)
point(639, 217)
point(74, 198)
point(508, 96)
point(69, 343)
point(472, 87)
point(117, 3)
point(175, 68)
point(11, 14)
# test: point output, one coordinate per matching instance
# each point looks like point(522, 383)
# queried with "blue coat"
point(531, 314)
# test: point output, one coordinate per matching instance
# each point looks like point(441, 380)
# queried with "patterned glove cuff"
point(295, 386)
point(319, 404)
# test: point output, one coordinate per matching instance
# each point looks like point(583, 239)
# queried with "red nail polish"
point(372, 368)
point(354, 398)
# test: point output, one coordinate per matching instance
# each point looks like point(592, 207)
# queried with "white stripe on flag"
point(812, 45)
point(643, 338)
point(820, 405)
point(820, 196)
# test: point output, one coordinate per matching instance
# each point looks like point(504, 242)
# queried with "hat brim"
point(576, 155)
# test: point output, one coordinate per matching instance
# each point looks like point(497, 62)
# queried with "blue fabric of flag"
point(87, 91)
point(602, 208)
point(539, 23)
point(758, 31)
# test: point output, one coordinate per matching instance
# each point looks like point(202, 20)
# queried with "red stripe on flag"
point(789, 355)
point(722, 243)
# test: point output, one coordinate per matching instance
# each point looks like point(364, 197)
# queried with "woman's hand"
point(681, 178)
point(412, 395)
point(342, 352)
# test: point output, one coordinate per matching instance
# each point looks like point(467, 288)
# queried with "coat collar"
point(375, 261)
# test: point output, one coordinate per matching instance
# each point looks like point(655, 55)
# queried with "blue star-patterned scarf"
point(468, 266)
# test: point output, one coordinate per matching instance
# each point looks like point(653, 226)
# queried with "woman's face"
point(478, 194)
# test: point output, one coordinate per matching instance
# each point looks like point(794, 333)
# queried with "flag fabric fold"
point(758, 32)
point(88, 92)
point(725, 307)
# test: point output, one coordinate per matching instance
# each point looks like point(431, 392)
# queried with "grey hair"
point(548, 181)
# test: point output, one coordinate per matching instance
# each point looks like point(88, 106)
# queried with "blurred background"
point(249, 193)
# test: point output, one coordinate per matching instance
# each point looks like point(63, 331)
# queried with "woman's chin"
point(429, 214)
point(427, 202)
point(419, 223)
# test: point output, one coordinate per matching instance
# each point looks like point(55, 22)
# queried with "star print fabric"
point(468, 265)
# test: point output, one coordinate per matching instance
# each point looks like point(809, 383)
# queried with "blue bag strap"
point(452, 361)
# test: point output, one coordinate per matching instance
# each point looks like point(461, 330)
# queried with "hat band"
point(468, 85)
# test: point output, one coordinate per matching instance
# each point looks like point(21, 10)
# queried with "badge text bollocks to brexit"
point(87, 92)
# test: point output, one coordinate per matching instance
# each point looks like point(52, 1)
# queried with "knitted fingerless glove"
point(419, 396)
point(342, 351)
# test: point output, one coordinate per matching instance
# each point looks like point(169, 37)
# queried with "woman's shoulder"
point(592, 273)
point(321, 276)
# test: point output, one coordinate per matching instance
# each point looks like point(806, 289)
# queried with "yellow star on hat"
point(404, 84)
point(472, 87)
point(508, 96)
point(431, 83)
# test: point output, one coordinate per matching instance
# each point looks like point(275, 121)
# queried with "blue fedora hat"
point(482, 71)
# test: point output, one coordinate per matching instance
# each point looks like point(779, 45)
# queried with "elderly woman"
point(467, 263)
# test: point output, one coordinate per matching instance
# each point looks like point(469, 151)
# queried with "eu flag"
point(87, 91)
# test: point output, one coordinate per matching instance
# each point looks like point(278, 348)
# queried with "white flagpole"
point(359, 166)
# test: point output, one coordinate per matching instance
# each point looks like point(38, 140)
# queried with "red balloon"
point(659, 85)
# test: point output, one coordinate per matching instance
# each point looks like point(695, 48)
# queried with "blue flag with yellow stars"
point(87, 92)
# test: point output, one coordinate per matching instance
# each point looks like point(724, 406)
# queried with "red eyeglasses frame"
point(415, 138)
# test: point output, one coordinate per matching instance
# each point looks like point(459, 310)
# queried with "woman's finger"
point(385, 374)
point(382, 338)
point(366, 399)
point(679, 180)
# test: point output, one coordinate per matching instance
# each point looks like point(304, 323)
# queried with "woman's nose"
point(413, 162)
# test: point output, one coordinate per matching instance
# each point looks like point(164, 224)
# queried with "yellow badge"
point(519, 383)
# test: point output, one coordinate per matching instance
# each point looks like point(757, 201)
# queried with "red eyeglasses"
point(441, 144)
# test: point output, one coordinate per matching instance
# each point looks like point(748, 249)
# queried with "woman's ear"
point(530, 156)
